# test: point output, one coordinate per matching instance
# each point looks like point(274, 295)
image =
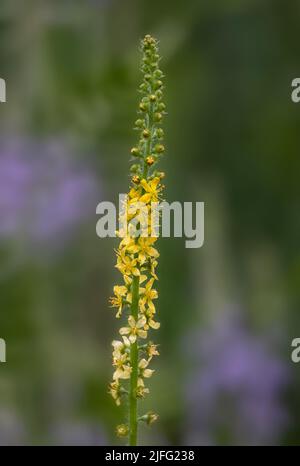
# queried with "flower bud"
point(158, 84)
point(135, 152)
point(143, 87)
point(144, 106)
point(161, 107)
point(153, 98)
point(159, 133)
point(158, 74)
point(134, 168)
point(139, 123)
point(146, 133)
point(159, 148)
point(157, 117)
point(159, 94)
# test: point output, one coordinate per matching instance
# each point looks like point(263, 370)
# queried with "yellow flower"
point(128, 281)
point(150, 417)
point(117, 300)
point(152, 189)
point(152, 350)
point(134, 329)
point(126, 264)
point(141, 391)
point(143, 369)
point(143, 247)
point(122, 430)
point(120, 361)
point(153, 324)
point(114, 390)
point(122, 371)
point(134, 194)
point(148, 294)
point(153, 267)
point(120, 347)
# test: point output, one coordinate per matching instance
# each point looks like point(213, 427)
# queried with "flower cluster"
point(136, 254)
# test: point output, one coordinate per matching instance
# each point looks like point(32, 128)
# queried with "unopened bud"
point(144, 106)
point(160, 133)
point(146, 133)
point(139, 123)
point(158, 74)
point(157, 116)
point(159, 148)
point(135, 152)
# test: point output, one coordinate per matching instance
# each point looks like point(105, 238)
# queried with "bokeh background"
point(229, 310)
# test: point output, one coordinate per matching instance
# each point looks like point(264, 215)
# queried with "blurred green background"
point(229, 310)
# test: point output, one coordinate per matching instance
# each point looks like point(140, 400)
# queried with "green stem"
point(134, 366)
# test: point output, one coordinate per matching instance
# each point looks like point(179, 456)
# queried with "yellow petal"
point(142, 333)
point(143, 363)
point(148, 372)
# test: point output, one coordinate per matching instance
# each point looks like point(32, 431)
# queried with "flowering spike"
point(136, 255)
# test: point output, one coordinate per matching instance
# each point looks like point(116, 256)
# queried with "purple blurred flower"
point(12, 431)
point(78, 434)
point(236, 388)
point(45, 193)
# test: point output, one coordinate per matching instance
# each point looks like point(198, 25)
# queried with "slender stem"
point(134, 366)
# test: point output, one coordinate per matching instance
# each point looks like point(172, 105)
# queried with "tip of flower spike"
point(149, 41)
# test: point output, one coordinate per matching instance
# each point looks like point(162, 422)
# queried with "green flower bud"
point(134, 168)
point(157, 117)
point(143, 87)
point(161, 107)
point(159, 148)
point(135, 152)
point(139, 123)
point(159, 133)
point(144, 106)
point(146, 133)
point(158, 74)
